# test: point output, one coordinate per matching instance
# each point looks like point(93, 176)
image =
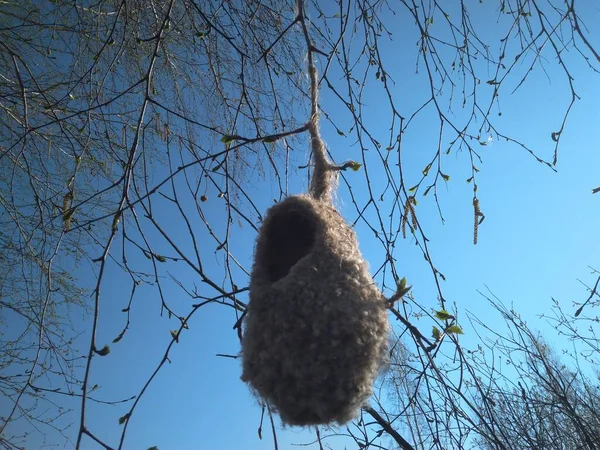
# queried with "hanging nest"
point(316, 329)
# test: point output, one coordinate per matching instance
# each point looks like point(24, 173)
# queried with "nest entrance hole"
point(290, 237)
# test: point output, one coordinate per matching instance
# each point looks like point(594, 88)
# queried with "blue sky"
point(537, 240)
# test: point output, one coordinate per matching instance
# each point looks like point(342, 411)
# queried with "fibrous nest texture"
point(316, 330)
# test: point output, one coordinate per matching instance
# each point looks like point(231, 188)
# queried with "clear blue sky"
point(538, 238)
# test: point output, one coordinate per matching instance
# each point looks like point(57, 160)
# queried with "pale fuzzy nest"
point(316, 331)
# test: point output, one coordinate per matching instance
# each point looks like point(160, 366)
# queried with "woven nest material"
point(316, 330)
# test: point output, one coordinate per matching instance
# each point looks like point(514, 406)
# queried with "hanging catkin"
point(316, 328)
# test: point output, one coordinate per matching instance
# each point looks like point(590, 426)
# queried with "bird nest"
point(316, 329)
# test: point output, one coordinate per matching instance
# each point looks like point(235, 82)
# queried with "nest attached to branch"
point(316, 329)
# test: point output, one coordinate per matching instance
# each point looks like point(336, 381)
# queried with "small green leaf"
point(103, 351)
point(402, 288)
point(123, 419)
point(426, 169)
point(414, 188)
point(355, 166)
point(270, 139)
point(454, 329)
point(116, 221)
point(175, 335)
point(445, 177)
point(443, 315)
point(160, 258)
point(469, 179)
point(228, 138)
point(436, 333)
point(341, 133)
point(402, 283)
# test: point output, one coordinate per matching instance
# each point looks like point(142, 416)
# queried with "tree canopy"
point(142, 141)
